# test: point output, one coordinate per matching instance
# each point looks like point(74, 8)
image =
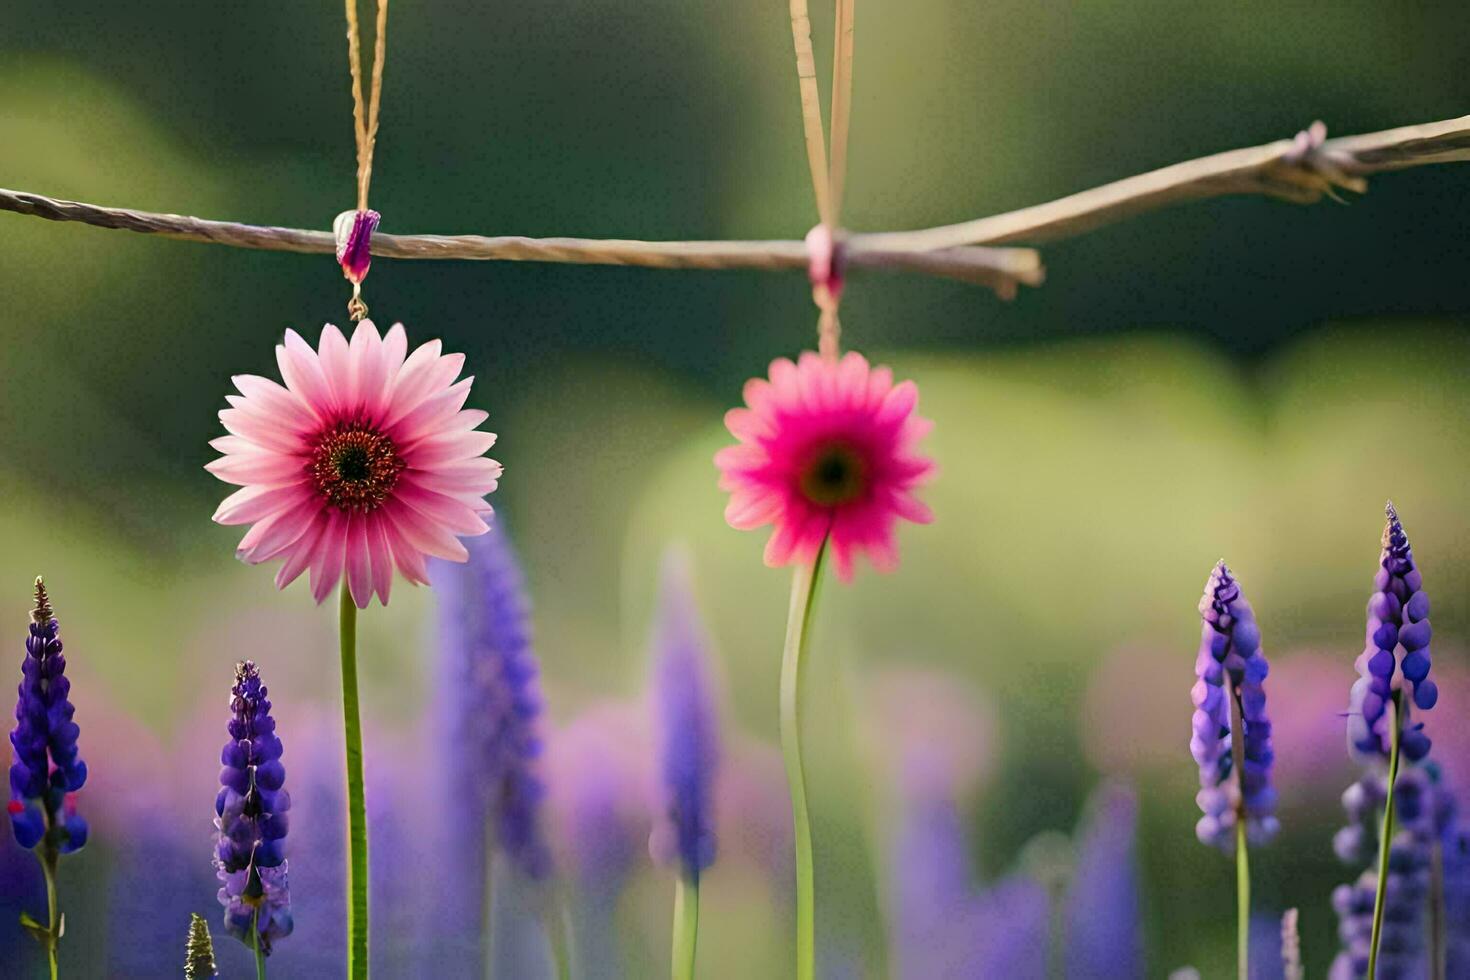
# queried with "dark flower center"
point(355, 468)
point(836, 474)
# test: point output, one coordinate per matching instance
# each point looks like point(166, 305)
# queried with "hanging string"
point(354, 236)
point(825, 251)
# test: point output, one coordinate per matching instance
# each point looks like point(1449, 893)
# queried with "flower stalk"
point(357, 840)
point(1386, 837)
point(804, 591)
point(1242, 852)
point(686, 926)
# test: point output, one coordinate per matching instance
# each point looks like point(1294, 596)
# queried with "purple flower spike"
point(1103, 938)
point(47, 766)
point(1398, 620)
point(354, 233)
point(492, 699)
point(687, 726)
point(250, 816)
point(1231, 665)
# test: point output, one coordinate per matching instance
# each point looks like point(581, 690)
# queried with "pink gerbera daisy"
point(827, 451)
point(365, 459)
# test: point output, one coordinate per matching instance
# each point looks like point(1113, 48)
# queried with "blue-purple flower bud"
point(1230, 668)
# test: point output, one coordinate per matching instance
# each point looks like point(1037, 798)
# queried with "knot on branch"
point(1310, 168)
point(826, 258)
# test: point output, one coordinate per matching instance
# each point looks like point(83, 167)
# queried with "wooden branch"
point(1003, 269)
point(1301, 170)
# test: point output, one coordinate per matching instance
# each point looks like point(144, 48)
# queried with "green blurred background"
point(1240, 378)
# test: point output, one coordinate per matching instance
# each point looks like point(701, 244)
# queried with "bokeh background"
point(1241, 378)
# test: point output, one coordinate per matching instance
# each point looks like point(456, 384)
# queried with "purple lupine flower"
point(47, 766)
point(1455, 851)
point(1401, 945)
point(1103, 935)
point(487, 726)
point(687, 726)
point(1398, 619)
point(1231, 666)
point(492, 682)
point(596, 768)
point(941, 924)
point(597, 775)
point(250, 815)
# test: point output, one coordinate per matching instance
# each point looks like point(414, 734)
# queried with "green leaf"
point(39, 933)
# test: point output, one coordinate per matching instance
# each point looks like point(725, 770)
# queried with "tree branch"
point(1300, 170)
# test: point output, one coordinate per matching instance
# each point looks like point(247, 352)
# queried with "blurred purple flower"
point(1419, 813)
point(598, 774)
point(490, 699)
point(942, 928)
point(47, 766)
point(486, 714)
point(1265, 957)
point(686, 726)
point(1102, 919)
point(596, 769)
point(1231, 665)
point(1455, 844)
point(1398, 618)
point(1401, 945)
point(1310, 766)
point(397, 786)
point(938, 722)
point(250, 815)
point(754, 811)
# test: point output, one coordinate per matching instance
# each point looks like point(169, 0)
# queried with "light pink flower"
point(827, 448)
point(364, 460)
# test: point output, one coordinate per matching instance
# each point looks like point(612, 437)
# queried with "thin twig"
point(1282, 169)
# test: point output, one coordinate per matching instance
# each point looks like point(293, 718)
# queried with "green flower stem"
point(259, 953)
point(686, 926)
point(50, 858)
point(1242, 855)
point(793, 665)
point(357, 843)
point(556, 923)
point(1385, 840)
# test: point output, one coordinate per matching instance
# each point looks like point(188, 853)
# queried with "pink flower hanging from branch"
point(363, 461)
point(827, 450)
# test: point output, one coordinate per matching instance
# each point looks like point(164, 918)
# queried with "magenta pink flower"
point(827, 450)
point(364, 460)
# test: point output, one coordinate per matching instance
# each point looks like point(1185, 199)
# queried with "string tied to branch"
point(826, 257)
point(354, 229)
point(826, 252)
